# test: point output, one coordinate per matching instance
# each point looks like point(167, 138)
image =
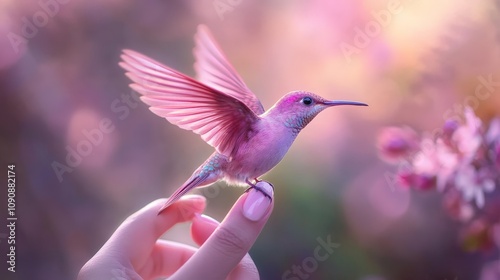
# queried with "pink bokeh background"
point(422, 66)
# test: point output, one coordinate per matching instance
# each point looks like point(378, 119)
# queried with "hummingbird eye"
point(307, 100)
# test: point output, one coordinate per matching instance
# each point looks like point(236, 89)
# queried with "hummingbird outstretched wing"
point(222, 120)
point(214, 70)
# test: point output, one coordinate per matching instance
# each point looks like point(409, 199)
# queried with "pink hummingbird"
point(224, 112)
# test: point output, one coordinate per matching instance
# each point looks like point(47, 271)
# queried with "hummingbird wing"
point(222, 120)
point(214, 70)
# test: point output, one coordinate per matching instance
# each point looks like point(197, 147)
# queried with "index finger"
point(229, 243)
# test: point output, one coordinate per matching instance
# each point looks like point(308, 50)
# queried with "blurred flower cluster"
point(462, 162)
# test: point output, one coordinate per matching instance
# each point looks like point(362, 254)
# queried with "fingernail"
point(192, 204)
point(206, 219)
point(257, 204)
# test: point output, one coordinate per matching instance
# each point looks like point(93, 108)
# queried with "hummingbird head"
point(297, 108)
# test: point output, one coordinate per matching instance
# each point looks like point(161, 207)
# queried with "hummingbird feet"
point(259, 189)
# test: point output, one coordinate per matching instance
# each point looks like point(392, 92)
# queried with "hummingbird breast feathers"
point(261, 152)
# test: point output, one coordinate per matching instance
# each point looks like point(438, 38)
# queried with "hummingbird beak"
point(343, 102)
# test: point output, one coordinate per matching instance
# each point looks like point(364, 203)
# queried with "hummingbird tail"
point(182, 190)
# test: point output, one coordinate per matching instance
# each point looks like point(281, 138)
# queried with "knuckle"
point(229, 241)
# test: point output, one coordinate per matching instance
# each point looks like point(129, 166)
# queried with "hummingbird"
point(218, 106)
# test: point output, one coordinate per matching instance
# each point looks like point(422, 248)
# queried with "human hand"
point(134, 251)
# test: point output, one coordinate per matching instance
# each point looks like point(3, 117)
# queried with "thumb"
point(147, 226)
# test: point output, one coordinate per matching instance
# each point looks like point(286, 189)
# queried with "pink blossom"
point(463, 163)
point(456, 206)
point(493, 133)
point(493, 141)
point(417, 181)
point(435, 159)
point(449, 127)
point(397, 143)
point(473, 185)
point(468, 137)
